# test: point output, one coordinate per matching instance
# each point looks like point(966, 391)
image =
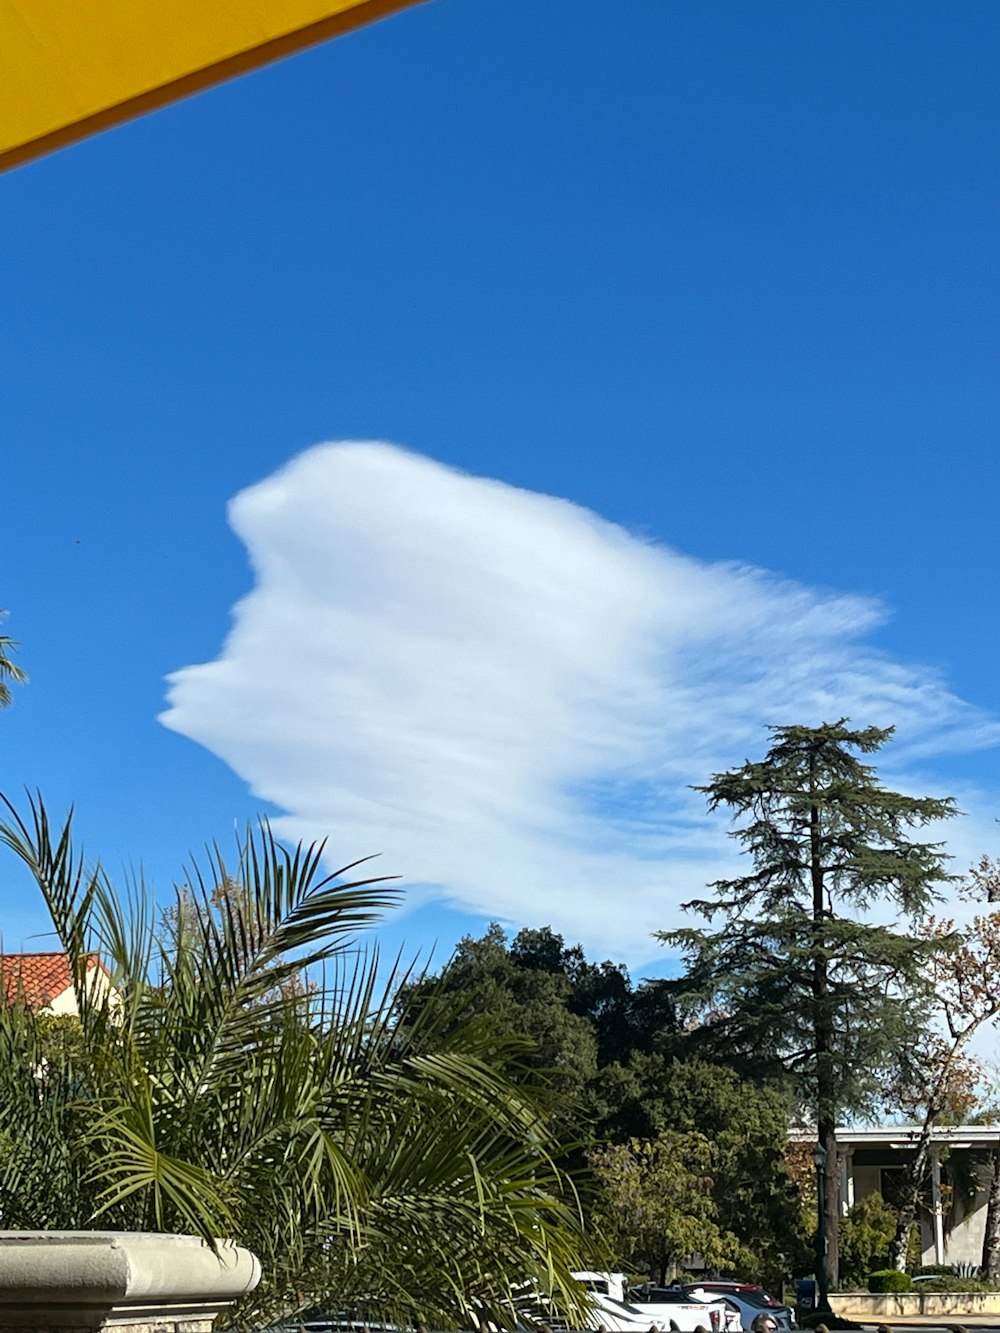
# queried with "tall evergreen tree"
point(793, 973)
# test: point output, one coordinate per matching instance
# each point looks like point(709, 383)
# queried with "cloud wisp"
point(507, 695)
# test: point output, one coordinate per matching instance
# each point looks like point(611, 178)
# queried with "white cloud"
point(506, 695)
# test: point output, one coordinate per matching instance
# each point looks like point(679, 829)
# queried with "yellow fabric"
point(69, 68)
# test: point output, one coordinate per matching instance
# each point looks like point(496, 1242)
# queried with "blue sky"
point(724, 275)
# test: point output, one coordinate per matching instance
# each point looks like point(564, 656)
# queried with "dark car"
point(751, 1289)
point(746, 1300)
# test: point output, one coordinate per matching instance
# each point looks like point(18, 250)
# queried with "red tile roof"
point(37, 978)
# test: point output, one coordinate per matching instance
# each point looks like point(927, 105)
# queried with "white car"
point(663, 1309)
point(685, 1313)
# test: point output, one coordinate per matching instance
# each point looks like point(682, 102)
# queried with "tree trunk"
point(915, 1176)
point(829, 1261)
point(899, 1251)
point(991, 1240)
point(826, 1080)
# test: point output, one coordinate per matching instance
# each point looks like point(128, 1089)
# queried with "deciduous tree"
point(747, 1124)
point(579, 1019)
point(657, 1205)
point(939, 1076)
point(605, 1046)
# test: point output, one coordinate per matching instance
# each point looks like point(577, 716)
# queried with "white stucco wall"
point(99, 985)
point(964, 1237)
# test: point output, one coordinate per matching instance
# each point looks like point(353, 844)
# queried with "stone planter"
point(86, 1281)
point(871, 1307)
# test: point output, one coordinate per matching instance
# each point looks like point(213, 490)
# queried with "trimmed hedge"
point(889, 1279)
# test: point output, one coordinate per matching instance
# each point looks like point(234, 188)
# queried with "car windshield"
point(759, 1299)
point(660, 1296)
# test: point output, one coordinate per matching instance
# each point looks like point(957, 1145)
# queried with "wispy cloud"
point(507, 696)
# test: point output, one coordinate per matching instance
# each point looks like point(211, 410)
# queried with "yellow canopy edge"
point(69, 68)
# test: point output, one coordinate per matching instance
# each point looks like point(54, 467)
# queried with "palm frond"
point(253, 1072)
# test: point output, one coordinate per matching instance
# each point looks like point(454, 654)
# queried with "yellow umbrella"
point(69, 68)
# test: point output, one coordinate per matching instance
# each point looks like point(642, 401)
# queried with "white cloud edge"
point(459, 659)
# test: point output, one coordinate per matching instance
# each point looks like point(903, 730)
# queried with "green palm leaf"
point(253, 1073)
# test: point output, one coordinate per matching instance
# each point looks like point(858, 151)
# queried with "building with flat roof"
point(953, 1221)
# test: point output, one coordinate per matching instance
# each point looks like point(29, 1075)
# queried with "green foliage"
point(605, 1048)
point(748, 1128)
point(950, 1273)
point(577, 1019)
point(224, 1090)
point(889, 1279)
point(952, 1282)
point(656, 1205)
point(866, 1234)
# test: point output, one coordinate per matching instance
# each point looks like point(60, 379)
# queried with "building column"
point(846, 1180)
point(117, 1282)
point(937, 1211)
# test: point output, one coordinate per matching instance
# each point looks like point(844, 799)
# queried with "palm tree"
point(245, 1074)
point(9, 671)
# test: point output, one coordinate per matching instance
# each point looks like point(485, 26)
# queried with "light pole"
point(822, 1271)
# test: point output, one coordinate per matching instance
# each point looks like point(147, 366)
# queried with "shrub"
point(865, 1236)
point(889, 1279)
point(949, 1282)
